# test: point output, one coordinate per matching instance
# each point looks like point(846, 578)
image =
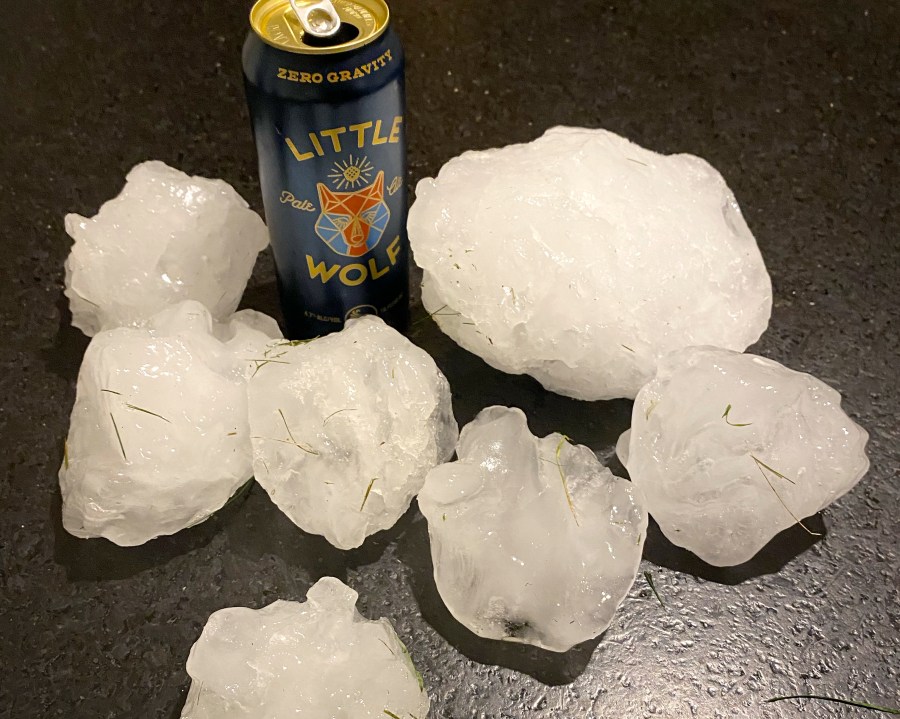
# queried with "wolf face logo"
point(352, 223)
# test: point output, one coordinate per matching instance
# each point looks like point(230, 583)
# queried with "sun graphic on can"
point(351, 172)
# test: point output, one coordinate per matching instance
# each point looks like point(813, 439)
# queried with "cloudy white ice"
point(165, 238)
point(317, 659)
point(345, 428)
point(582, 258)
point(159, 437)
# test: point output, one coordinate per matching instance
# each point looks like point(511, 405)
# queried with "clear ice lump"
point(730, 449)
point(533, 540)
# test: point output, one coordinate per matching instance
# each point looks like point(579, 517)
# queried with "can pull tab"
point(319, 19)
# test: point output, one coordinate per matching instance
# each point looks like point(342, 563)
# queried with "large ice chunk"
point(318, 659)
point(581, 258)
point(159, 437)
point(730, 449)
point(167, 237)
point(533, 540)
point(345, 428)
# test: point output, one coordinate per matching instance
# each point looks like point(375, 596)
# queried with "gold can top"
point(277, 24)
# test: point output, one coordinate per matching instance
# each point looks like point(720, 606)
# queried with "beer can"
point(325, 90)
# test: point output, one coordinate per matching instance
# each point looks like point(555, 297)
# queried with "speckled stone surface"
point(796, 103)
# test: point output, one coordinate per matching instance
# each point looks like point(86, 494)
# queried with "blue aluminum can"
point(328, 120)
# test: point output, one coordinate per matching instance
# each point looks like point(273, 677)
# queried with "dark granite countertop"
point(795, 102)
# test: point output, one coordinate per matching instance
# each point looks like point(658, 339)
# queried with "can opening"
point(319, 27)
point(346, 33)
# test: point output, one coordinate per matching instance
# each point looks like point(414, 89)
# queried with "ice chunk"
point(345, 428)
point(730, 449)
point(317, 659)
point(581, 259)
point(159, 437)
point(533, 540)
point(167, 237)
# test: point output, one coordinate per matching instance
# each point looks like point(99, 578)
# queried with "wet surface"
point(796, 105)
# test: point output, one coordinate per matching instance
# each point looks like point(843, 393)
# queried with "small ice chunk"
point(292, 660)
point(165, 238)
point(730, 449)
point(533, 540)
point(582, 258)
point(345, 428)
point(159, 437)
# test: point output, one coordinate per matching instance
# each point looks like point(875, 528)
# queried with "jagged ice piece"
point(316, 659)
point(533, 540)
point(159, 437)
point(345, 428)
point(165, 238)
point(582, 258)
point(730, 449)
